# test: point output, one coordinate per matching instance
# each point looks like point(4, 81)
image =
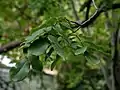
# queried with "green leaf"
point(52, 39)
point(20, 72)
point(38, 47)
point(65, 25)
point(93, 60)
point(55, 62)
point(36, 63)
point(51, 21)
point(48, 54)
point(57, 47)
point(17, 67)
point(37, 34)
point(58, 28)
point(80, 50)
point(75, 45)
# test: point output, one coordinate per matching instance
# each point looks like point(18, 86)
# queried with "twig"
point(86, 3)
point(85, 23)
point(94, 4)
point(95, 15)
point(88, 9)
point(74, 10)
point(88, 21)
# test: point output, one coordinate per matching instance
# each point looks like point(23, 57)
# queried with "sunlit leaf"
point(80, 50)
point(93, 60)
point(55, 62)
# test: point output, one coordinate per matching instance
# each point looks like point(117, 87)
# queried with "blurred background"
point(18, 18)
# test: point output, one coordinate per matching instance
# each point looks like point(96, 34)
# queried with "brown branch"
point(9, 46)
point(89, 21)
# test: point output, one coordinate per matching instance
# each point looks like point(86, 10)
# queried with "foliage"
point(69, 45)
point(51, 39)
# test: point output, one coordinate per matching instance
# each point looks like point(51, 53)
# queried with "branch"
point(108, 23)
point(86, 3)
point(115, 59)
point(95, 15)
point(94, 4)
point(9, 46)
point(88, 9)
point(85, 23)
point(74, 10)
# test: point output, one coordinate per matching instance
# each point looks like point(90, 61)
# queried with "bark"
point(9, 46)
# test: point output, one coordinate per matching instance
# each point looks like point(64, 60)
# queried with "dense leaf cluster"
point(55, 41)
